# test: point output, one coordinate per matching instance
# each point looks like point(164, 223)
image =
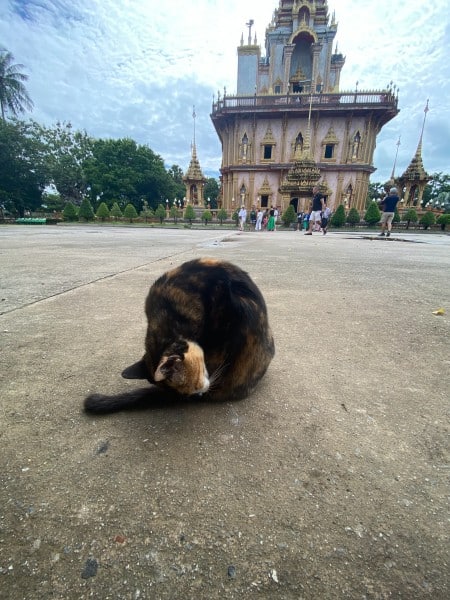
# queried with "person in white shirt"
point(242, 218)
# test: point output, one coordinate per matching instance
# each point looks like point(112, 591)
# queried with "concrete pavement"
point(331, 481)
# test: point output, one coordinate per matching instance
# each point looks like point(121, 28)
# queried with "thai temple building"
point(194, 180)
point(413, 181)
point(289, 126)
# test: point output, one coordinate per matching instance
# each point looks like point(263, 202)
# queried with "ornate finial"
point(419, 147)
point(395, 160)
point(194, 117)
point(250, 25)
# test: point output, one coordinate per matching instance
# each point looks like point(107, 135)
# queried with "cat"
point(208, 336)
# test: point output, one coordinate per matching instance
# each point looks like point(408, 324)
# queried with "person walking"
point(318, 205)
point(271, 222)
point(326, 214)
point(259, 218)
point(242, 218)
point(389, 206)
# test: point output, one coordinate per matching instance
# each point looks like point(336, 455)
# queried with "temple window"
point(329, 151)
point(267, 153)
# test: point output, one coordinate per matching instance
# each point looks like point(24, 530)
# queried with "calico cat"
point(208, 334)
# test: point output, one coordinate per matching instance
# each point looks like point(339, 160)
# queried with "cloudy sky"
point(135, 68)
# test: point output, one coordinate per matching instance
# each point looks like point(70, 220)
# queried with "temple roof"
point(194, 172)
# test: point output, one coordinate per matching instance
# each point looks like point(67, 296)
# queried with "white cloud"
point(136, 68)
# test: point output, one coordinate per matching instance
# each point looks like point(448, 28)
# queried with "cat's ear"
point(168, 367)
point(136, 371)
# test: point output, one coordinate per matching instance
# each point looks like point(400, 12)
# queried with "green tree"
point(206, 216)
point(376, 190)
point(115, 211)
point(176, 174)
point(102, 211)
point(353, 217)
point(130, 212)
point(289, 216)
point(427, 219)
point(439, 183)
point(22, 175)
point(338, 217)
point(86, 211)
point(410, 217)
point(160, 213)
point(174, 213)
point(70, 212)
point(65, 152)
point(52, 202)
point(189, 213)
point(222, 215)
point(211, 191)
point(13, 94)
point(124, 170)
point(444, 220)
point(373, 214)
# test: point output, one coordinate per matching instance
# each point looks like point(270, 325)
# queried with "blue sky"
point(135, 68)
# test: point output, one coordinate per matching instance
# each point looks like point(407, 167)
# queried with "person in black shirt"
point(389, 206)
point(318, 206)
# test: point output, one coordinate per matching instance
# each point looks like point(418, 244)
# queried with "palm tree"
point(13, 95)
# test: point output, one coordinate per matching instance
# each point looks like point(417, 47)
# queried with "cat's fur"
point(208, 334)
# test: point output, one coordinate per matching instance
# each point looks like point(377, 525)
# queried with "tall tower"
point(415, 178)
point(289, 120)
point(194, 180)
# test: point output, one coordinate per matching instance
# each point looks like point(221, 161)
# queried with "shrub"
point(86, 211)
point(174, 213)
point(373, 214)
point(130, 212)
point(70, 212)
point(235, 216)
point(410, 216)
point(102, 212)
point(222, 215)
point(338, 218)
point(206, 216)
point(396, 218)
point(289, 216)
point(115, 211)
point(353, 216)
point(427, 219)
point(189, 213)
point(160, 213)
point(443, 220)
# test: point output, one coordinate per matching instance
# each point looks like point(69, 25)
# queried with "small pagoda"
point(194, 180)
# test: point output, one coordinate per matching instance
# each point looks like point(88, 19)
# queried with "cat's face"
point(184, 371)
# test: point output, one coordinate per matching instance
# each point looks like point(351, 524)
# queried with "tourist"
point(318, 206)
point(242, 218)
point(389, 205)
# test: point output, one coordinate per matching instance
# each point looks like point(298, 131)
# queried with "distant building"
point(194, 180)
point(289, 126)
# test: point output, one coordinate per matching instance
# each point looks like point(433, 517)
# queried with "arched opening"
point(294, 203)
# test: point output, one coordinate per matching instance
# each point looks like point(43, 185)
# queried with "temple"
point(290, 126)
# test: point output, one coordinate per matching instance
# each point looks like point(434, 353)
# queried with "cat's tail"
point(144, 398)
